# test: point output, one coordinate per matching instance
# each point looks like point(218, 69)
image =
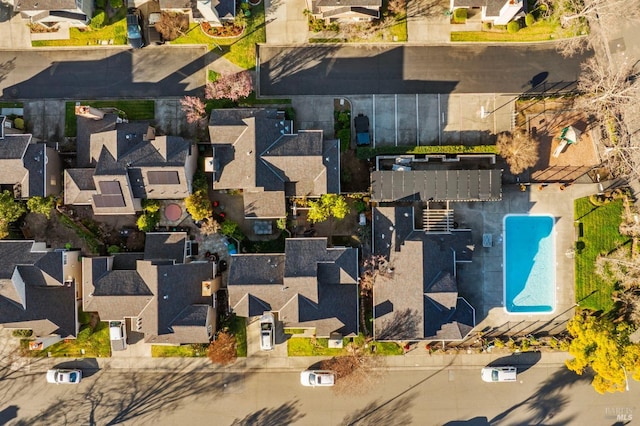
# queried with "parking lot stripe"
point(374, 121)
point(417, 122)
point(396, 100)
point(439, 125)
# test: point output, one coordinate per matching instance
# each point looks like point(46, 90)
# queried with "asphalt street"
point(102, 73)
point(448, 396)
point(384, 69)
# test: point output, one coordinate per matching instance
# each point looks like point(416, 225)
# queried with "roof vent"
point(165, 297)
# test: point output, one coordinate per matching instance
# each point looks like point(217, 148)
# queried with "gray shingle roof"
point(34, 162)
point(419, 299)
point(310, 285)
point(86, 128)
point(165, 295)
point(14, 146)
point(32, 297)
point(253, 149)
point(165, 245)
point(79, 186)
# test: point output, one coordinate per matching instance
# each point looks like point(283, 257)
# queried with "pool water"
point(529, 264)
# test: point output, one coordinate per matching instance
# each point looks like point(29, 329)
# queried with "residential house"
point(76, 13)
point(256, 150)
point(215, 12)
point(29, 168)
point(160, 293)
point(123, 163)
point(415, 294)
point(40, 290)
point(498, 12)
point(308, 286)
point(345, 10)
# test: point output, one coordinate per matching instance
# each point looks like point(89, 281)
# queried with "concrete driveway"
point(285, 21)
point(14, 30)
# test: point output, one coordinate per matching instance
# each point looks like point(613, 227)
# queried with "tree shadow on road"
point(551, 397)
point(377, 413)
point(120, 398)
point(6, 67)
point(285, 414)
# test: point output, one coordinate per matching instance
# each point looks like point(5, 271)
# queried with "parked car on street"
point(267, 331)
point(134, 28)
point(317, 378)
point(499, 374)
point(62, 376)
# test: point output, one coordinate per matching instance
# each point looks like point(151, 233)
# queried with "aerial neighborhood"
point(349, 191)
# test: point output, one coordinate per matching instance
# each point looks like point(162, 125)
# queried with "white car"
point(68, 377)
point(267, 331)
point(499, 374)
point(317, 378)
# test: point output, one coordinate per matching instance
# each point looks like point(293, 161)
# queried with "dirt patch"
point(52, 231)
point(545, 121)
point(354, 172)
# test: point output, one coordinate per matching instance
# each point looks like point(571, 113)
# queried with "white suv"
point(267, 331)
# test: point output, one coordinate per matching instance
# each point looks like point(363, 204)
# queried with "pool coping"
point(554, 263)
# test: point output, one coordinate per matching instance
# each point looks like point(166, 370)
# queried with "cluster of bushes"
point(198, 204)
point(365, 153)
point(150, 215)
point(342, 128)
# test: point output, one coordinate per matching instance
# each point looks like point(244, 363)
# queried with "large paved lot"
point(102, 73)
point(384, 69)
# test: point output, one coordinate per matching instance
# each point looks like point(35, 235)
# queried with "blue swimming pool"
point(529, 264)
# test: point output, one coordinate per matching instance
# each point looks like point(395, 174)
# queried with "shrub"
point(113, 249)
point(198, 205)
point(98, 19)
point(116, 4)
point(22, 333)
point(147, 222)
point(19, 123)
point(231, 229)
point(150, 206)
point(100, 4)
point(41, 205)
point(345, 139)
point(172, 25)
point(513, 27)
point(460, 16)
point(223, 349)
point(529, 19)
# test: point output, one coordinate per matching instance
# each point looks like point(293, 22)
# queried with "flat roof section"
point(436, 185)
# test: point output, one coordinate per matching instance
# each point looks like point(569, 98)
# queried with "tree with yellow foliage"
point(605, 348)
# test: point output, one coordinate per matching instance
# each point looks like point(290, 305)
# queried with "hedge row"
point(365, 153)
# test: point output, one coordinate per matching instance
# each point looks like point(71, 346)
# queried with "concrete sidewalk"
point(410, 361)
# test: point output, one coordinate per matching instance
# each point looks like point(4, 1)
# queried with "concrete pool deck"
point(481, 282)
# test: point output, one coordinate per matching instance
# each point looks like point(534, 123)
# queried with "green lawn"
point(117, 32)
point(600, 235)
point(539, 31)
point(134, 110)
point(238, 328)
point(239, 50)
point(195, 350)
point(302, 346)
point(95, 344)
